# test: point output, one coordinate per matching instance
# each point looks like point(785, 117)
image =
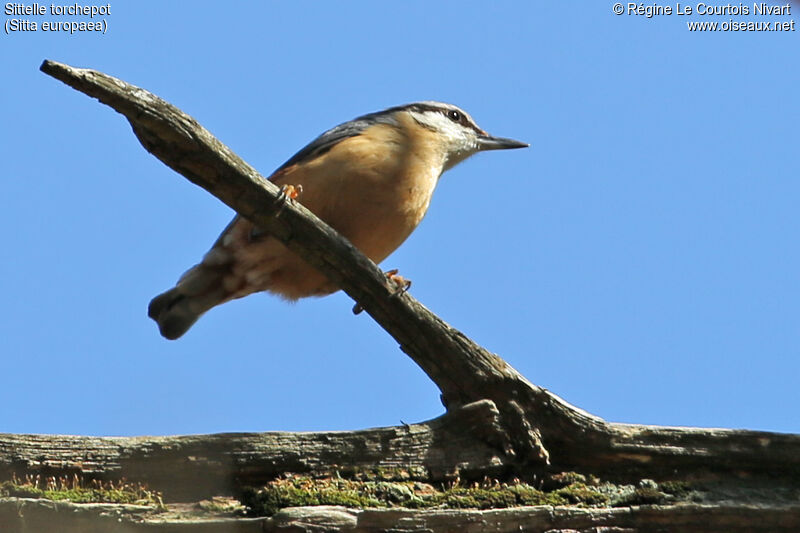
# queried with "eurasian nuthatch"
point(371, 179)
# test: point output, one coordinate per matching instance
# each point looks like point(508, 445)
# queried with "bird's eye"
point(454, 115)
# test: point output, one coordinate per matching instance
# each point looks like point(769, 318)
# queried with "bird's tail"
point(198, 290)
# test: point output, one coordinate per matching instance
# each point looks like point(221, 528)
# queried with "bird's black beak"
point(487, 142)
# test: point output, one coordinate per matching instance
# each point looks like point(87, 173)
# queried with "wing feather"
point(333, 136)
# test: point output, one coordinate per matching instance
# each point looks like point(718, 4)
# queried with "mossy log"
point(497, 423)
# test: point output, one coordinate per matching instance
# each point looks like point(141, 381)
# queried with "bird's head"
point(455, 131)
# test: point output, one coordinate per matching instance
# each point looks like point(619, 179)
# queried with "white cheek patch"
point(459, 142)
point(431, 119)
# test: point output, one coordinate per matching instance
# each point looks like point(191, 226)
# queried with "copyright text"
point(763, 16)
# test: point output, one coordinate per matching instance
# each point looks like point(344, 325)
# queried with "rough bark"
point(32, 515)
point(193, 467)
point(449, 447)
point(497, 423)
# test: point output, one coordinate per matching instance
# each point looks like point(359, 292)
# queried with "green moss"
point(300, 491)
point(297, 492)
point(491, 494)
point(563, 479)
point(478, 498)
point(77, 491)
point(13, 490)
point(527, 495)
point(679, 489)
point(582, 494)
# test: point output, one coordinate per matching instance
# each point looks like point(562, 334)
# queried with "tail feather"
point(236, 265)
point(176, 310)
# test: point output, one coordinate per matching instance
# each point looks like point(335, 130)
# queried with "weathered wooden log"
point(26, 516)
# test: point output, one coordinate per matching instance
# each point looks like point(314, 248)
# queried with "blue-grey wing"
point(333, 136)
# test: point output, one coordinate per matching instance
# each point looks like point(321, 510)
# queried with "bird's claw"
point(401, 286)
point(288, 193)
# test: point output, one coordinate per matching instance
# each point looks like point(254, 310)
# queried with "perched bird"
point(371, 179)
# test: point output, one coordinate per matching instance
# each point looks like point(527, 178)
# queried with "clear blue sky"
point(641, 259)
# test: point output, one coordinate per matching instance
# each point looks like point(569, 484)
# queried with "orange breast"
point(374, 188)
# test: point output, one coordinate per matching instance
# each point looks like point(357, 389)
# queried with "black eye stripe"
point(455, 115)
point(458, 117)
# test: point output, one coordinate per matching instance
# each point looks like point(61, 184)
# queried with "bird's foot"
point(287, 194)
point(401, 285)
